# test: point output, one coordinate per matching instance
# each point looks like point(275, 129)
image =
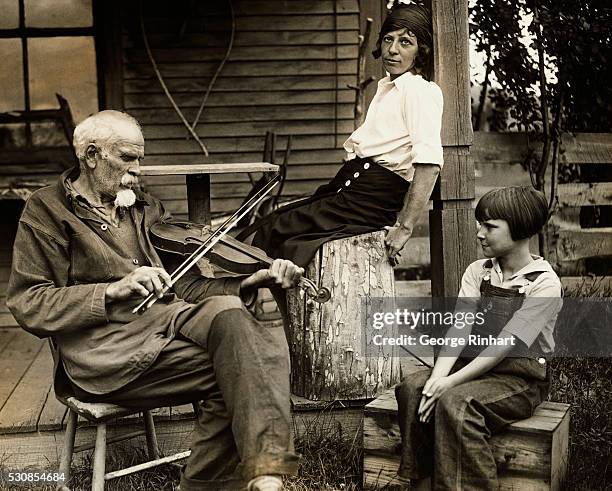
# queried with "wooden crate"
point(531, 454)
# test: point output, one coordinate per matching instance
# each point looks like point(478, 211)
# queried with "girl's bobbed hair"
point(416, 19)
point(523, 207)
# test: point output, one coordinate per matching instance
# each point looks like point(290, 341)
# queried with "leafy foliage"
point(575, 40)
point(578, 35)
point(496, 31)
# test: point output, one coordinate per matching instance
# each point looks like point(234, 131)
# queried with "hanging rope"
point(220, 67)
point(164, 86)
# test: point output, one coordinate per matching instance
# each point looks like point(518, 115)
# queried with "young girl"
point(447, 414)
point(393, 159)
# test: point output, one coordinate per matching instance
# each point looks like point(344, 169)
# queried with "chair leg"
point(97, 480)
point(66, 459)
point(151, 436)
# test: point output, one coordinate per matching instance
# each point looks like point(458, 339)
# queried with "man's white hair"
point(100, 130)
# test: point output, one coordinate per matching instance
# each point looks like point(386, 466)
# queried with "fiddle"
point(209, 243)
point(228, 253)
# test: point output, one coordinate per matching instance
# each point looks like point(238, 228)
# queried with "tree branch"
point(483, 92)
point(541, 170)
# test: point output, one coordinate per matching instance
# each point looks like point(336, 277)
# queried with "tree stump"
point(332, 353)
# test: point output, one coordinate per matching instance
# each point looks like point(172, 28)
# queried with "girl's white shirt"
point(535, 320)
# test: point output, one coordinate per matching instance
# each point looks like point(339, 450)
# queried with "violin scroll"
point(319, 294)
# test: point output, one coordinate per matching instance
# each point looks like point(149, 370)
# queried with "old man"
point(83, 259)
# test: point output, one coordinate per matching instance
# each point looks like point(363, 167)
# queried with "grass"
point(162, 478)
point(585, 384)
point(331, 459)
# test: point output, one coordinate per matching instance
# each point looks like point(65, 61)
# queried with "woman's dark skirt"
point(363, 197)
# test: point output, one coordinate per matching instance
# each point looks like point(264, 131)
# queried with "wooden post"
point(451, 222)
point(107, 19)
point(198, 198)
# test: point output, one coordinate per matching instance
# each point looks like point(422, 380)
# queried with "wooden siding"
point(288, 72)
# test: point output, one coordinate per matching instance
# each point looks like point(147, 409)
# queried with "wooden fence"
point(580, 233)
point(579, 236)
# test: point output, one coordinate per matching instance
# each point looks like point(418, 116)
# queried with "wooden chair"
point(31, 154)
point(271, 202)
point(29, 165)
point(100, 414)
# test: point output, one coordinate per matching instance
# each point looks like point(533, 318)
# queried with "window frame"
point(24, 33)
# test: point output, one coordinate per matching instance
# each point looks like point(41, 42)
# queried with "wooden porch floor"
point(32, 420)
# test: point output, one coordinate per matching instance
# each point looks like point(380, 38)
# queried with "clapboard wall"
point(288, 72)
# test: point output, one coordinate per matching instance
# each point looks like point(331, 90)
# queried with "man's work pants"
point(240, 370)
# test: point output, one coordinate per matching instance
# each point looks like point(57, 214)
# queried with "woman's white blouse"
point(402, 126)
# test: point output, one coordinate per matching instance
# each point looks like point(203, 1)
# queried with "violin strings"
point(223, 229)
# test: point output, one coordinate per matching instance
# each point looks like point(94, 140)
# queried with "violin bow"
point(209, 243)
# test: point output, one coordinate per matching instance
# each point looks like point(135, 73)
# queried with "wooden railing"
point(579, 235)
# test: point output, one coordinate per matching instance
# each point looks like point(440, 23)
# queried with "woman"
point(393, 159)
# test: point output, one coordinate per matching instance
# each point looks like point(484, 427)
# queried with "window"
point(46, 47)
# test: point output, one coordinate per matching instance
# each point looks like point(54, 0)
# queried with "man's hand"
point(282, 272)
point(434, 388)
point(139, 283)
point(396, 238)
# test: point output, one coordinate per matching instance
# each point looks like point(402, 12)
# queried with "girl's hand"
point(433, 390)
point(396, 238)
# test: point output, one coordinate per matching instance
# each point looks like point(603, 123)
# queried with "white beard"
point(125, 198)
